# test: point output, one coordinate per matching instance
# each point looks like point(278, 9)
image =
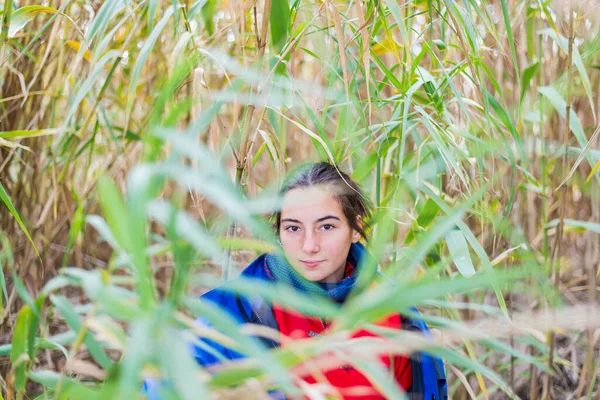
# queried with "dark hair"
point(344, 189)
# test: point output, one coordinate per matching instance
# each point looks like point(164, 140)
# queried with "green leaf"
point(459, 250)
point(560, 105)
point(393, 296)
point(5, 257)
point(380, 378)
point(223, 322)
point(528, 74)
point(77, 222)
point(220, 192)
point(75, 322)
point(563, 42)
point(186, 227)
point(396, 12)
point(367, 164)
point(322, 143)
point(92, 78)
point(195, 8)
point(34, 323)
point(457, 358)
point(6, 200)
point(106, 39)
point(575, 224)
point(426, 216)
point(511, 41)
point(18, 355)
point(114, 211)
point(281, 294)
point(465, 22)
point(470, 237)
point(440, 44)
point(141, 185)
point(6, 16)
point(182, 369)
point(530, 23)
point(143, 334)
point(188, 145)
point(105, 14)
point(22, 291)
point(386, 71)
point(279, 20)
point(141, 59)
point(113, 300)
point(183, 255)
point(593, 171)
point(52, 342)
point(23, 15)
point(69, 388)
point(22, 134)
point(208, 12)
point(444, 150)
point(506, 120)
point(152, 6)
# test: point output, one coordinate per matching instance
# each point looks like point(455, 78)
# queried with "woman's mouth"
point(311, 264)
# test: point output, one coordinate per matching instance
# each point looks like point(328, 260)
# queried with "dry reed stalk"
point(47, 202)
point(341, 40)
point(246, 128)
point(556, 251)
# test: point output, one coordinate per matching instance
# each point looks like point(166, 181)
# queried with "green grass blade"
point(576, 225)
point(6, 17)
point(459, 250)
point(182, 369)
point(224, 323)
point(23, 15)
point(18, 355)
point(528, 75)
point(22, 134)
point(69, 388)
point(8, 203)
point(75, 322)
point(141, 60)
point(479, 250)
point(185, 226)
point(560, 105)
point(563, 43)
point(279, 21)
point(105, 14)
point(511, 41)
point(91, 79)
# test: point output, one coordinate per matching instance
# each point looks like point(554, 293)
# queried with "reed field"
point(142, 145)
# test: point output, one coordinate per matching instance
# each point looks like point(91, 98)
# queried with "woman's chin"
point(313, 276)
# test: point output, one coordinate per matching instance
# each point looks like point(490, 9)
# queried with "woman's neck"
point(337, 276)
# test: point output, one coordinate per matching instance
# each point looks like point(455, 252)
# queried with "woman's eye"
point(292, 228)
point(327, 227)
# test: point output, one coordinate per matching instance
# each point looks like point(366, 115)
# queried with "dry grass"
point(450, 136)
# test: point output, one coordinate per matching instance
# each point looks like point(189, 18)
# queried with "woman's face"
point(315, 234)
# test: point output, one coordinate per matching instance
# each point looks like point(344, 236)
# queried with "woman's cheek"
point(288, 242)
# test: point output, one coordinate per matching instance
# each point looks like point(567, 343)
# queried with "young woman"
point(320, 224)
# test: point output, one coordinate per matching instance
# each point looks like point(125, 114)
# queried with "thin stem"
point(557, 248)
point(242, 156)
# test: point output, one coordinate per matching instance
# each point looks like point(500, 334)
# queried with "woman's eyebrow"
point(327, 217)
point(317, 221)
point(290, 220)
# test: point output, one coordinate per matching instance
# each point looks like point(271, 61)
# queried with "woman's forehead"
point(306, 203)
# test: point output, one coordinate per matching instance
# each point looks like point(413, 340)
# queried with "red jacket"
point(346, 382)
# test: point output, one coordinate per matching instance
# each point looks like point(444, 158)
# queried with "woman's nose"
point(310, 244)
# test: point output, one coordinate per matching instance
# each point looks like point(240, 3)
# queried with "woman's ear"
point(355, 233)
